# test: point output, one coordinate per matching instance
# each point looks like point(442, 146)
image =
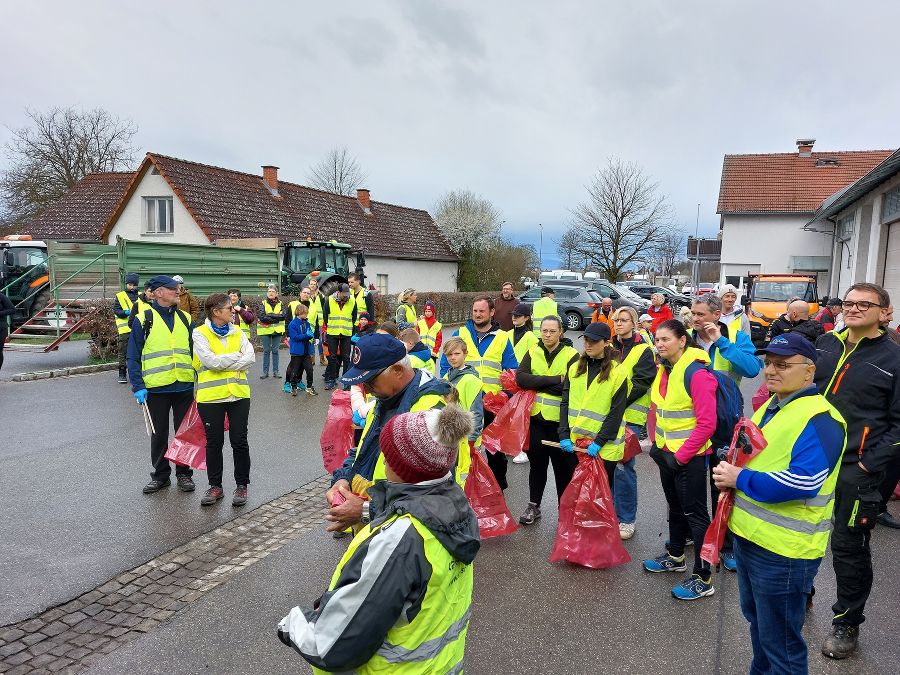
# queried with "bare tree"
point(337, 172)
point(57, 150)
point(566, 249)
point(469, 221)
point(622, 219)
point(669, 249)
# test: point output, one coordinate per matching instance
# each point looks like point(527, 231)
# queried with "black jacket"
point(610, 427)
point(865, 388)
point(644, 370)
point(547, 384)
point(808, 328)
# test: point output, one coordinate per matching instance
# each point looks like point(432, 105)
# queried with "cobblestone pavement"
point(72, 636)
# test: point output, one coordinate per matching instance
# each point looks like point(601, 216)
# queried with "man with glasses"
point(783, 503)
point(381, 366)
point(858, 371)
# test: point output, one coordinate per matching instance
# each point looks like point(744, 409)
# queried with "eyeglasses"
point(861, 305)
point(626, 320)
point(781, 366)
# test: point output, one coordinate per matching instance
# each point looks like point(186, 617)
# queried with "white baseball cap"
point(178, 278)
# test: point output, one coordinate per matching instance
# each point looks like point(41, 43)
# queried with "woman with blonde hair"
point(406, 316)
point(686, 318)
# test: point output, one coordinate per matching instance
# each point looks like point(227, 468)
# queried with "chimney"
point(270, 176)
point(805, 146)
point(362, 196)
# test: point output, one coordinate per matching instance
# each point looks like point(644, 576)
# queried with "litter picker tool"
point(148, 421)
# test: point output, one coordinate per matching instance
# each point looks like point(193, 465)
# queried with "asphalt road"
point(75, 457)
point(69, 354)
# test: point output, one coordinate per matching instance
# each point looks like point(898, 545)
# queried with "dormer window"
point(157, 216)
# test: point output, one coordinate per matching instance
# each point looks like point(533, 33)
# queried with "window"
point(890, 206)
point(382, 283)
point(845, 227)
point(566, 293)
point(158, 215)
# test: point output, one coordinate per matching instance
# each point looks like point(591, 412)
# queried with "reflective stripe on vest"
point(340, 319)
point(469, 387)
point(720, 363)
point(526, 342)
point(166, 357)
point(547, 405)
point(488, 365)
point(589, 406)
point(410, 313)
point(433, 641)
point(797, 528)
point(427, 334)
point(214, 385)
point(122, 325)
point(543, 308)
point(675, 418)
point(636, 413)
point(274, 327)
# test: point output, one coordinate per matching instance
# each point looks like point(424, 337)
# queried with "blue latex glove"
point(310, 332)
point(354, 339)
point(566, 445)
point(141, 396)
point(358, 419)
point(593, 449)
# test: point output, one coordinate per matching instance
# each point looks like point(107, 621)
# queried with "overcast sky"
point(519, 101)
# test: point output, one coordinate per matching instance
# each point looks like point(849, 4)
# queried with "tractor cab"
point(328, 261)
point(24, 275)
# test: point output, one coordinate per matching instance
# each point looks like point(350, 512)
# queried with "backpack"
point(729, 404)
point(148, 324)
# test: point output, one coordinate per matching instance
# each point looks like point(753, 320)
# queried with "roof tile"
point(81, 212)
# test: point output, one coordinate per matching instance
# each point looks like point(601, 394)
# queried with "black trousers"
point(2, 341)
point(540, 457)
point(296, 368)
point(852, 557)
point(497, 461)
point(213, 416)
point(685, 490)
point(338, 356)
point(159, 406)
point(891, 476)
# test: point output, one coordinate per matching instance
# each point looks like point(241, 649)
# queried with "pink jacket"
point(703, 394)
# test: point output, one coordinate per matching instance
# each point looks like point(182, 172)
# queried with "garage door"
point(891, 280)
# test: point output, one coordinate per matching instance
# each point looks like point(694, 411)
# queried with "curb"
point(64, 372)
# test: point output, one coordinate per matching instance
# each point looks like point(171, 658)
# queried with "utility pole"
point(695, 277)
point(541, 250)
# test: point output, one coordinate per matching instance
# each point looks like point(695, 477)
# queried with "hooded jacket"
point(453, 376)
point(386, 579)
point(421, 351)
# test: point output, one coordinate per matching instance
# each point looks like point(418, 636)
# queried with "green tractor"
point(327, 261)
point(24, 275)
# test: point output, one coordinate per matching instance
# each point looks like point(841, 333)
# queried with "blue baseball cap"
point(789, 344)
point(162, 281)
point(132, 278)
point(371, 355)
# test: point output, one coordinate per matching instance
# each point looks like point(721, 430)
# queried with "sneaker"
point(521, 458)
point(323, 361)
point(532, 513)
point(694, 588)
point(123, 377)
point(156, 486)
point(328, 385)
point(626, 530)
point(185, 483)
point(276, 376)
point(301, 386)
point(842, 642)
point(214, 494)
point(240, 496)
point(666, 563)
point(886, 519)
point(263, 376)
point(729, 562)
point(312, 391)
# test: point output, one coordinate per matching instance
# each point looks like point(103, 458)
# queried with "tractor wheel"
point(331, 286)
point(41, 300)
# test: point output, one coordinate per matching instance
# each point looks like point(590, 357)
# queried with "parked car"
point(675, 300)
point(706, 288)
point(620, 295)
point(576, 304)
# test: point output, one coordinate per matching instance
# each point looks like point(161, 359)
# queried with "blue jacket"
point(741, 353)
point(136, 346)
point(300, 332)
point(509, 360)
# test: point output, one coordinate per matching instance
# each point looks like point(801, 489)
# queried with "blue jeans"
point(625, 494)
point(773, 592)
point(270, 346)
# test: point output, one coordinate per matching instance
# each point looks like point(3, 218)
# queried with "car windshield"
point(594, 296)
point(706, 286)
point(626, 292)
point(782, 291)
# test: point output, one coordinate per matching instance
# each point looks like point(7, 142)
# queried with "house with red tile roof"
point(766, 203)
point(179, 201)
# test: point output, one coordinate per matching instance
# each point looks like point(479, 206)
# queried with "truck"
point(769, 295)
point(24, 275)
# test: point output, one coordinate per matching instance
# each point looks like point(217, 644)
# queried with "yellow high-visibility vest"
point(548, 404)
point(636, 413)
point(214, 385)
point(340, 319)
point(675, 419)
point(123, 325)
point(543, 308)
point(589, 405)
point(278, 327)
point(429, 335)
point(166, 357)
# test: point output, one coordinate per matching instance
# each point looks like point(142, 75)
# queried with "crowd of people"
point(830, 415)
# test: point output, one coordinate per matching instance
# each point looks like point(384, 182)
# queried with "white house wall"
point(422, 275)
point(130, 223)
point(765, 243)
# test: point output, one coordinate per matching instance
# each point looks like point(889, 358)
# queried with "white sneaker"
point(521, 458)
point(626, 530)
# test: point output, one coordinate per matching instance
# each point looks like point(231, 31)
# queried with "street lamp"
point(541, 250)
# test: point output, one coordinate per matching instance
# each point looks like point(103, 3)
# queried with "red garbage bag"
point(337, 434)
point(508, 381)
point(188, 448)
point(486, 498)
point(746, 443)
point(897, 491)
point(588, 531)
point(508, 433)
point(632, 445)
point(494, 401)
point(760, 397)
